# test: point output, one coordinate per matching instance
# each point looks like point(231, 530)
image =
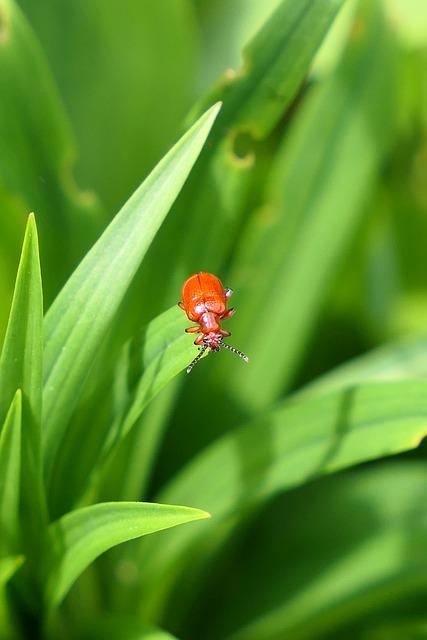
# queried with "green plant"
point(297, 202)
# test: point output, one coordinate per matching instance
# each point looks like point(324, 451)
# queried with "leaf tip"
point(15, 407)
point(213, 111)
point(31, 224)
point(418, 438)
point(203, 515)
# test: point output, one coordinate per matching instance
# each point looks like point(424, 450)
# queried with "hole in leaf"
point(243, 147)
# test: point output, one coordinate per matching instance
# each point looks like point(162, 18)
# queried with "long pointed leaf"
point(275, 63)
point(10, 474)
point(166, 350)
point(285, 448)
point(80, 316)
point(82, 535)
point(292, 248)
point(311, 437)
point(21, 368)
point(256, 97)
point(21, 358)
point(150, 360)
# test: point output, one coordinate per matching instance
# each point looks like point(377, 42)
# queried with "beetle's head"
point(214, 341)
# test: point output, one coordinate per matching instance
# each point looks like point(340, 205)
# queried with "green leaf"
point(146, 364)
point(80, 536)
point(282, 449)
point(9, 566)
point(21, 368)
point(255, 99)
point(141, 52)
point(127, 474)
point(13, 221)
point(166, 351)
point(21, 357)
point(306, 439)
point(293, 245)
point(37, 149)
point(414, 627)
point(394, 361)
point(113, 626)
point(78, 320)
point(377, 563)
point(10, 475)
point(275, 63)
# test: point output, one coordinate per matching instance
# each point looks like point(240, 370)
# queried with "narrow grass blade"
point(275, 63)
point(127, 474)
point(255, 98)
point(21, 368)
point(145, 366)
point(82, 535)
point(166, 352)
point(21, 357)
point(82, 313)
point(297, 442)
point(316, 198)
point(10, 476)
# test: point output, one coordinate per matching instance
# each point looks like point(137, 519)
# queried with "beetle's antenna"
point(197, 358)
point(236, 351)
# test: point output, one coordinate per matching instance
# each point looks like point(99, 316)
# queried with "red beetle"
point(204, 300)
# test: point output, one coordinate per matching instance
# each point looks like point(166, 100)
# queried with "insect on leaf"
point(83, 311)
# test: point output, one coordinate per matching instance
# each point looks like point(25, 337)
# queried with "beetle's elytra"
point(204, 300)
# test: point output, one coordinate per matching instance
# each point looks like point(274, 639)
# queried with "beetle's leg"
point(228, 313)
point(199, 339)
point(181, 305)
point(228, 292)
point(195, 329)
point(224, 333)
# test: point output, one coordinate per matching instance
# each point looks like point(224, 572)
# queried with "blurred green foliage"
point(309, 199)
